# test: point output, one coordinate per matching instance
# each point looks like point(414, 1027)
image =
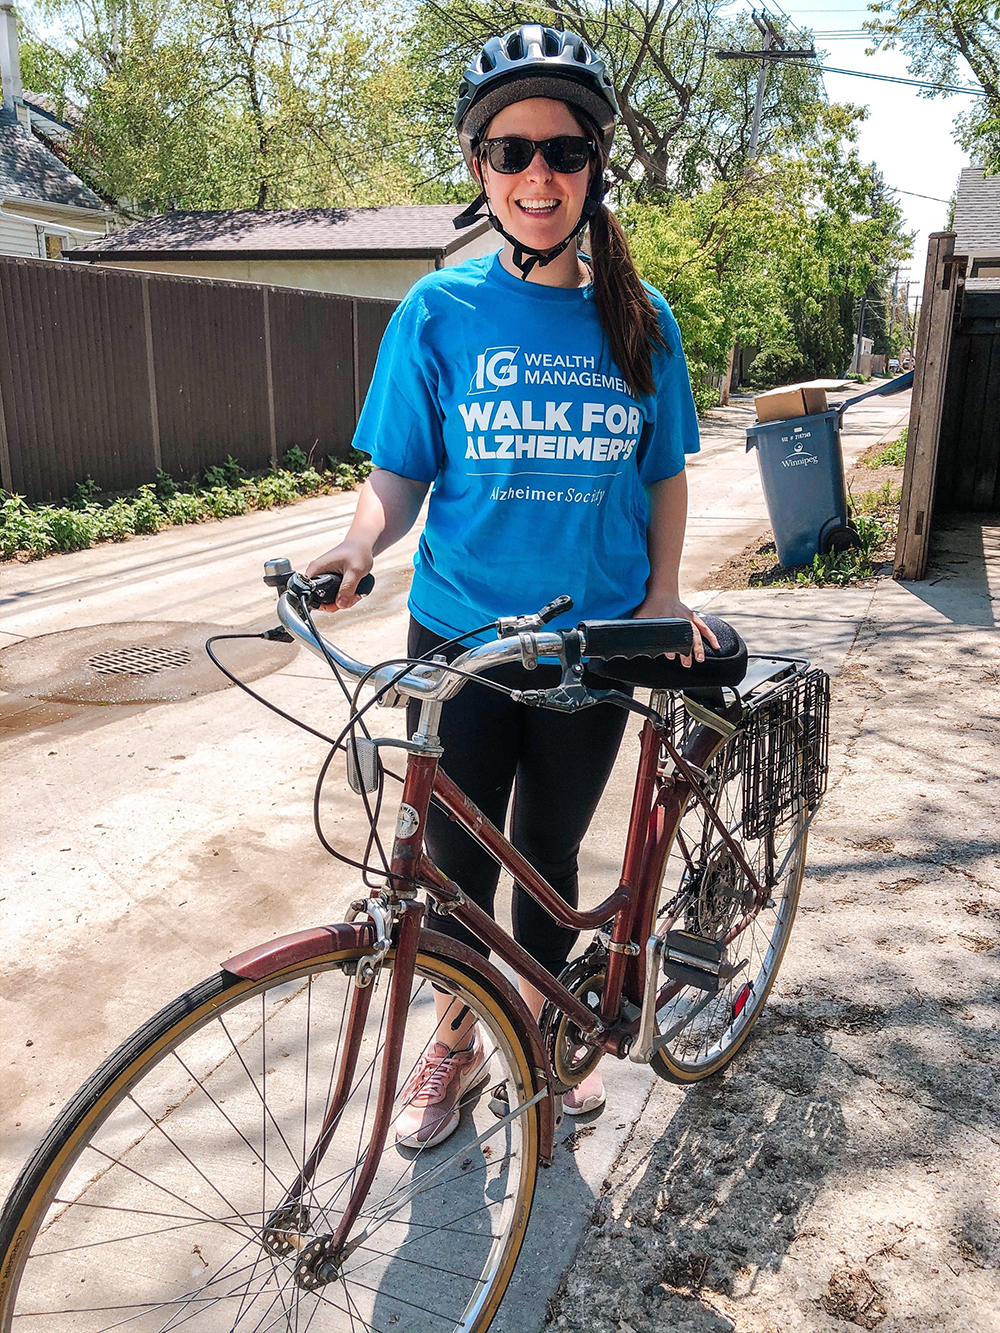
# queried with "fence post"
point(354, 361)
point(270, 377)
point(937, 312)
point(154, 411)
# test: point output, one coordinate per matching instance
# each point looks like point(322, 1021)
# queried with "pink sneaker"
point(431, 1099)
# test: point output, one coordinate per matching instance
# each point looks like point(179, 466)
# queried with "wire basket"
point(783, 753)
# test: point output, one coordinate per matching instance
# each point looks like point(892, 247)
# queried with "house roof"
point(30, 172)
point(404, 231)
point(67, 115)
point(977, 213)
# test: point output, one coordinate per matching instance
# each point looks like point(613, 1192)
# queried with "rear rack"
point(782, 751)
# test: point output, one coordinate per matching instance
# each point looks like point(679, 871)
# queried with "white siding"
point(18, 237)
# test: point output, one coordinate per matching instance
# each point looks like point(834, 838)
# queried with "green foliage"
point(147, 516)
point(277, 488)
point(233, 103)
point(894, 453)
point(72, 529)
point(77, 523)
point(228, 473)
point(946, 40)
point(84, 493)
point(22, 529)
point(184, 508)
point(775, 366)
point(115, 523)
point(295, 459)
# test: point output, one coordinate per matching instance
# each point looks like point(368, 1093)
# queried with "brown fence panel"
point(110, 374)
point(74, 392)
point(210, 363)
point(312, 368)
point(968, 474)
point(370, 321)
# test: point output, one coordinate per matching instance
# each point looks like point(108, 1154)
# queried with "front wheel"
point(147, 1204)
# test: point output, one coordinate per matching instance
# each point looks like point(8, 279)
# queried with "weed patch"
point(893, 455)
point(30, 531)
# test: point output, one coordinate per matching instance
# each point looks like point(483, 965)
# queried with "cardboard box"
point(795, 400)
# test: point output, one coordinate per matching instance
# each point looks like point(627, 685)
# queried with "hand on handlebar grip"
point(325, 588)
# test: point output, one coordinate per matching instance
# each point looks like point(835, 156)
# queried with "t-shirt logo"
point(495, 369)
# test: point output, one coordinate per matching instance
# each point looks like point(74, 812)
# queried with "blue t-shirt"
point(503, 394)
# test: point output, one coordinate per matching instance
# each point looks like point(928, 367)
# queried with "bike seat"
point(618, 656)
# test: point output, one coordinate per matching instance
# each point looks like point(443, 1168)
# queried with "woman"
point(546, 399)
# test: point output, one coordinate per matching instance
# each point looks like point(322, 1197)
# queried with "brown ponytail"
point(627, 315)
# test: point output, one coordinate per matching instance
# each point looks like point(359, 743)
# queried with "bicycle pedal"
point(692, 959)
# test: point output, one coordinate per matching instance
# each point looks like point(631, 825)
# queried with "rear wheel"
point(706, 891)
point(145, 1206)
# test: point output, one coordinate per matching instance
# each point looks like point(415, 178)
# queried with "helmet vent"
point(515, 47)
point(487, 63)
point(550, 42)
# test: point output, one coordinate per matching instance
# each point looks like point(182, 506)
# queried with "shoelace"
point(433, 1074)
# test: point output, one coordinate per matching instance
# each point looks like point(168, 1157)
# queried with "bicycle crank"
point(572, 1055)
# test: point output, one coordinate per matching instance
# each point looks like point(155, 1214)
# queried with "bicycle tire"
point(716, 1027)
point(58, 1237)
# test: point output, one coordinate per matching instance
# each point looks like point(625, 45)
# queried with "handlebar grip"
point(325, 588)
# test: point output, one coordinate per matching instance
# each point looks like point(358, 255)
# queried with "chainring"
point(571, 1055)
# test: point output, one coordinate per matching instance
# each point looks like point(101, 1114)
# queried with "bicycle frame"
point(658, 805)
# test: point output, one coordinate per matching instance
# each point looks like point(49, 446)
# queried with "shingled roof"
point(406, 231)
point(977, 213)
point(30, 172)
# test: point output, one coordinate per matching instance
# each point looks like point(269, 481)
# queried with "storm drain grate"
point(139, 661)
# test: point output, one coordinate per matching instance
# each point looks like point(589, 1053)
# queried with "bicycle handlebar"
point(424, 681)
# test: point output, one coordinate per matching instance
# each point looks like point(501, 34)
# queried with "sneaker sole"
point(591, 1103)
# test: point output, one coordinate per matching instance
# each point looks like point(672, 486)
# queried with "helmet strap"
point(526, 257)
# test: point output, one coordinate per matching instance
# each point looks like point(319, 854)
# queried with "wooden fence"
point(113, 375)
point(953, 445)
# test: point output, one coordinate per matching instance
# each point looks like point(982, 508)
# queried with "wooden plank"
point(933, 347)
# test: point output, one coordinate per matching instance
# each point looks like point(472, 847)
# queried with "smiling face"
point(539, 206)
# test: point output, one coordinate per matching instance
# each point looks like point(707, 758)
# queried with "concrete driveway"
point(146, 842)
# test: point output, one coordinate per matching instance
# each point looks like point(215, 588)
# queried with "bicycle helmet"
point(534, 61)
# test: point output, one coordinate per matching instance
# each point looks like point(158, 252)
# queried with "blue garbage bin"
point(802, 472)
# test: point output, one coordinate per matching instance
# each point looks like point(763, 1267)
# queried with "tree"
point(944, 40)
point(685, 115)
point(234, 103)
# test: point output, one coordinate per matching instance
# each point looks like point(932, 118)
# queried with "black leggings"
point(557, 764)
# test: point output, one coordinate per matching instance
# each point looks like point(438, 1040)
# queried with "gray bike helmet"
point(534, 61)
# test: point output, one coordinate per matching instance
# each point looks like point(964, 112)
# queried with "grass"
point(82, 520)
point(874, 514)
point(893, 455)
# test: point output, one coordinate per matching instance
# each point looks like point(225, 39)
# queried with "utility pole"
point(773, 49)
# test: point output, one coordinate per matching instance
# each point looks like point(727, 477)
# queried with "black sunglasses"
point(566, 153)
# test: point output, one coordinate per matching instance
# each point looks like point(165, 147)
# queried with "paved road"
point(145, 843)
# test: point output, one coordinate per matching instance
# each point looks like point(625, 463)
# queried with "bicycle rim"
point(704, 885)
point(143, 1208)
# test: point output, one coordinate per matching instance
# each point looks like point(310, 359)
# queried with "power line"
point(932, 197)
point(895, 78)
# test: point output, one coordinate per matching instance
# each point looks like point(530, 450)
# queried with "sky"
point(907, 136)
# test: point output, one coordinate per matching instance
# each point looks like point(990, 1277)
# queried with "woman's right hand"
point(352, 559)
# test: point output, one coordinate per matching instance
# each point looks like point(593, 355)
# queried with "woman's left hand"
point(654, 608)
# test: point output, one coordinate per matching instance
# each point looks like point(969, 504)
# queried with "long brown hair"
point(627, 315)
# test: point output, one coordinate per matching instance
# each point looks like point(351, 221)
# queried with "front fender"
point(300, 947)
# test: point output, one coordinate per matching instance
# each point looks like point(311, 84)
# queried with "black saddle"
point(632, 651)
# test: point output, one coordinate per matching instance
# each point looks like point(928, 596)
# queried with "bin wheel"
point(841, 538)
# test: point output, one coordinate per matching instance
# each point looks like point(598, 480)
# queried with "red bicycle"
point(232, 1165)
